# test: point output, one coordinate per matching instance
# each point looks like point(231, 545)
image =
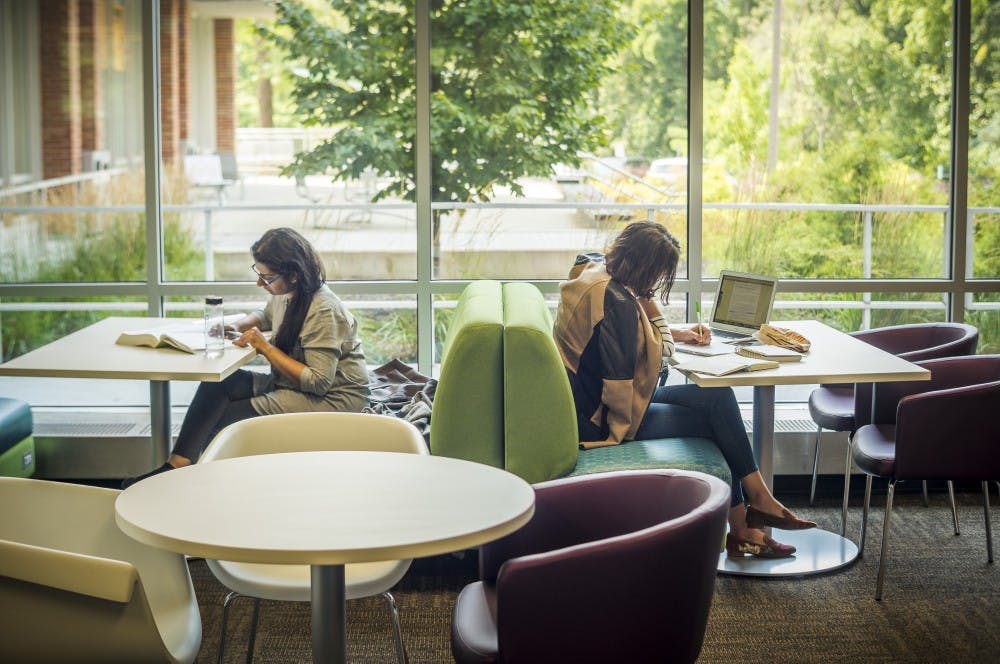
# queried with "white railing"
point(10, 240)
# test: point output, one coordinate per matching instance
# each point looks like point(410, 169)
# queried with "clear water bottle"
point(215, 334)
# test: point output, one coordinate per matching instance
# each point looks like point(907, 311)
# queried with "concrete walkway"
point(380, 243)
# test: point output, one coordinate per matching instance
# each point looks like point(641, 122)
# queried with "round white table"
point(325, 509)
point(835, 357)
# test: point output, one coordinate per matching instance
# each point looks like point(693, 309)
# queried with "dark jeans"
point(214, 407)
point(706, 412)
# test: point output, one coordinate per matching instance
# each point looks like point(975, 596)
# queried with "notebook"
point(743, 303)
point(722, 365)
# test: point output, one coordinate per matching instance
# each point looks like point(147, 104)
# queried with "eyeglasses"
point(268, 279)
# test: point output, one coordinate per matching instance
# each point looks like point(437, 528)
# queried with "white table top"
point(325, 507)
point(93, 353)
point(834, 357)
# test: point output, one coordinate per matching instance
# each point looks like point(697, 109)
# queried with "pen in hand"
point(697, 310)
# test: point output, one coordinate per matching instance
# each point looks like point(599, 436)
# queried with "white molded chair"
point(75, 588)
point(302, 432)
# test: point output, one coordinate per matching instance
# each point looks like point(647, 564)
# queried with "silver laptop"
point(743, 303)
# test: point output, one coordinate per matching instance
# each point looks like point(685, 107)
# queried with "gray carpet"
point(941, 602)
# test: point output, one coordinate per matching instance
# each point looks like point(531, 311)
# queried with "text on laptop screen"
point(743, 301)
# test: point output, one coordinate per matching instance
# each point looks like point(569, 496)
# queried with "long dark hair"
point(644, 258)
point(289, 254)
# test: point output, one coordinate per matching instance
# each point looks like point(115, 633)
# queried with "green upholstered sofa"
point(503, 397)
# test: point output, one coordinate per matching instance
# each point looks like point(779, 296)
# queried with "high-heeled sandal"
point(737, 547)
point(787, 521)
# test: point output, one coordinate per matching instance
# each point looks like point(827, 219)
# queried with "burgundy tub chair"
point(613, 567)
point(943, 429)
point(845, 407)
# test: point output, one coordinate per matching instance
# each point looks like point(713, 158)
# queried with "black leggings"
point(214, 407)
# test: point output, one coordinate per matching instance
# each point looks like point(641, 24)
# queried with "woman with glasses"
point(316, 359)
point(613, 340)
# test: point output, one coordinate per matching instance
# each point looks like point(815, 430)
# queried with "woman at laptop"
point(613, 341)
point(316, 359)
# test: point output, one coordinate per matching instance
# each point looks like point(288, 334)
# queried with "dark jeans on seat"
point(214, 407)
point(706, 412)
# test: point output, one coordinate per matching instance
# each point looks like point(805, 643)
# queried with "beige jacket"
point(612, 381)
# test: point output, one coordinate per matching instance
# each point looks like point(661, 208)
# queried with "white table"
point(835, 357)
point(325, 509)
point(92, 353)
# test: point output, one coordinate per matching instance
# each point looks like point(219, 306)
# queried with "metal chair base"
point(397, 631)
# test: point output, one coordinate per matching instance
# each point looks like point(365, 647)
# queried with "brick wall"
point(169, 80)
point(184, 67)
point(92, 63)
point(74, 52)
point(225, 85)
point(59, 70)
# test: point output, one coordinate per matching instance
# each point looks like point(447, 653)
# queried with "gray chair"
point(612, 567)
point(75, 588)
point(839, 407)
point(946, 429)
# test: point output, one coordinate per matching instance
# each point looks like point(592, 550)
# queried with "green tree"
point(511, 91)
point(645, 97)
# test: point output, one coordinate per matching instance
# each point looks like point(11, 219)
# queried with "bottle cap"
point(213, 300)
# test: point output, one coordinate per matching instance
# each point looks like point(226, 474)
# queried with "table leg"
point(763, 431)
point(816, 550)
point(329, 614)
point(160, 431)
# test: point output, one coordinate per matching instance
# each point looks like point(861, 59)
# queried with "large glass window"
point(821, 132)
point(531, 164)
point(71, 152)
point(828, 125)
point(983, 309)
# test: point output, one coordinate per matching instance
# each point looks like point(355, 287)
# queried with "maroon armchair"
point(840, 407)
point(613, 567)
point(943, 429)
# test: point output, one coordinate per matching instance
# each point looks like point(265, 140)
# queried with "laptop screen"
point(743, 301)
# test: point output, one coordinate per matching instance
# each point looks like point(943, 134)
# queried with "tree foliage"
point(512, 86)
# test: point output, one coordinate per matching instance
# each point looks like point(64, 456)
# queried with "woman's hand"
point(234, 330)
point(254, 337)
point(699, 334)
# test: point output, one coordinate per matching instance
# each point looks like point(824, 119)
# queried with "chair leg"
point(864, 516)
point(954, 508)
point(927, 502)
point(225, 621)
point(989, 531)
point(847, 486)
point(812, 488)
point(885, 541)
point(253, 630)
point(226, 603)
point(397, 630)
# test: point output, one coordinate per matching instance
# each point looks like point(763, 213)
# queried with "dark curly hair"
point(644, 258)
point(290, 255)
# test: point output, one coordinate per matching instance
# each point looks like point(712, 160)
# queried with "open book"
point(722, 365)
point(765, 352)
point(187, 338)
point(187, 334)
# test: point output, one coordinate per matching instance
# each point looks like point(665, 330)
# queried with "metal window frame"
point(957, 283)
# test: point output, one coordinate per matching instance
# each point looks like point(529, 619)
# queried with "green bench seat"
point(503, 397)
